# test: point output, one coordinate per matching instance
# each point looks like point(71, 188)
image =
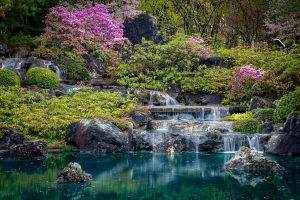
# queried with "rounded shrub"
point(263, 114)
point(42, 77)
point(287, 104)
point(246, 125)
point(9, 78)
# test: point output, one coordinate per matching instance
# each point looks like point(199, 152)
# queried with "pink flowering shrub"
point(196, 45)
point(84, 29)
point(243, 81)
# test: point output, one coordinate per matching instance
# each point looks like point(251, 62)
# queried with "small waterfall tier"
point(199, 113)
point(162, 98)
point(234, 141)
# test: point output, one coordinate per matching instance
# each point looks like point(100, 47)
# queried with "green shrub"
point(246, 125)
point(239, 116)
point(287, 104)
point(50, 119)
point(263, 114)
point(44, 78)
point(74, 70)
point(9, 78)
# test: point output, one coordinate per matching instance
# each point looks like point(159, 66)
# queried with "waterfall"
point(161, 96)
point(233, 142)
point(48, 64)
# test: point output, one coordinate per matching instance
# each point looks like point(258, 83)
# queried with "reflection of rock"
point(289, 141)
point(250, 159)
point(247, 178)
point(73, 173)
point(72, 191)
point(26, 151)
point(97, 136)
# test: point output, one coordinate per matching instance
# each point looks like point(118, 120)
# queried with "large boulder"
point(259, 102)
point(288, 142)
point(73, 173)
point(95, 66)
point(250, 159)
point(10, 137)
point(141, 119)
point(98, 136)
point(142, 26)
point(27, 151)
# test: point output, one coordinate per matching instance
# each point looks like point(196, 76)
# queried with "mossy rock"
point(9, 78)
point(246, 125)
point(42, 77)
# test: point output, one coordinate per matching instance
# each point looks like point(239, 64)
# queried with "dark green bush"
point(246, 125)
point(44, 78)
point(263, 114)
point(287, 104)
point(9, 78)
point(74, 70)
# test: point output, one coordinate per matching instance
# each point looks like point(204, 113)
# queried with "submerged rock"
point(73, 173)
point(97, 136)
point(250, 159)
point(287, 142)
point(26, 151)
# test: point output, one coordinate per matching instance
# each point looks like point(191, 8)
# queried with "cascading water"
point(168, 100)
point(48, 64)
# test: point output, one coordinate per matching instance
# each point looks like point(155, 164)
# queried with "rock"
point(259, 102)
point(194, 99)
point(10, 137)
point(142, 96)
point(95, 66)
point(267, 127)
point(216, 61)
point(238, 109)
point(142, 26)
point(140, 118)
point(3, 49)
point(288, 142)
point(26, 151)
point(97, 136)
point(185, 117)
point(19, 52)
point(73, 173)
point(250, 159)
point(141, 141)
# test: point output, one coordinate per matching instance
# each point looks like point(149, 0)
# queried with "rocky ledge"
point(73, 173)
point(250, 159)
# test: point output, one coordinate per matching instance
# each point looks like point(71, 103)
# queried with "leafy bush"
point(9, 78)
point(287, 104)
point(74, 70)
point(44, 78)
point(246, 125)
point(50, 119)
point(263, 114)
point(239, 116)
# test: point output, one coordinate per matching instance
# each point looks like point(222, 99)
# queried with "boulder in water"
point(73, 173)
point(250, 159)
point(97, 136)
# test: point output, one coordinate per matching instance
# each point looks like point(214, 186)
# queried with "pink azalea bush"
point(84, 29)
point(197, 44)
point(244, 79)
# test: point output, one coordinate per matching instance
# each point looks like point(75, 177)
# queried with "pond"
point(147, 176)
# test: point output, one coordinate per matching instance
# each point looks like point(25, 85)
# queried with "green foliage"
point(287, 104)
point(9, 78)
point(74, 70)
point(239, 116)
point(263, 114)
point(246, 125)
point(49, 119)
point(44, 78)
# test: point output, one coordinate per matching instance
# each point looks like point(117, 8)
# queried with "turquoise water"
point(147, 176)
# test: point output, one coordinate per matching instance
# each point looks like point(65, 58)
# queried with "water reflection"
point(147, 176)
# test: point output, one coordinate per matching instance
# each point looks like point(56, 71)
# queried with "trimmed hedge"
point(246, 125)
point(44, 78)
point(9, 78)
point(287, 104)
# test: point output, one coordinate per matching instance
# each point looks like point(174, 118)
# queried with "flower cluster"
point(249, 72)
point(84, 29)
point(198, 44)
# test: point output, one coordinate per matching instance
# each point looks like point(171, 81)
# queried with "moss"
point(9, 78)
point(246, 125)
point(42, 77)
